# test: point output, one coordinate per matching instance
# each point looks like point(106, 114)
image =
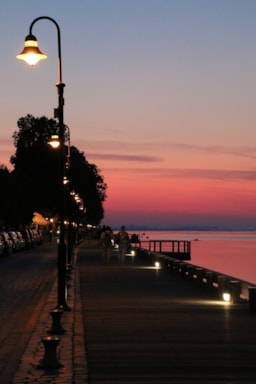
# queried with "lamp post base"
point(62, 288)
point(62, 307)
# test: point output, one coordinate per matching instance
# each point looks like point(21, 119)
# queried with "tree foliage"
point(4, 195)
point(91, 186)
point(34, 184)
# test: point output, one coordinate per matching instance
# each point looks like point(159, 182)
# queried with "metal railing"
point(180, 249)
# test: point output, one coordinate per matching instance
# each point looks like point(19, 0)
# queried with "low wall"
point(237, 289)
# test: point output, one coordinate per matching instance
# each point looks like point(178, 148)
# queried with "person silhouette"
point(123, 242)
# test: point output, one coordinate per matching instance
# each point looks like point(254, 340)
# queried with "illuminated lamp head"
point(31, 53)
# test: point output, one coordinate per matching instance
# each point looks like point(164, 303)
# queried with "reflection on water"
point(231, 253)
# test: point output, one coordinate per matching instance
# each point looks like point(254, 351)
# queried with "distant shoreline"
point(187, 229)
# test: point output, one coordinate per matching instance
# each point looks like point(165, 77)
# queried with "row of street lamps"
point(32, 55)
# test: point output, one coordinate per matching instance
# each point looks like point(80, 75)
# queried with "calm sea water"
point(231, 253)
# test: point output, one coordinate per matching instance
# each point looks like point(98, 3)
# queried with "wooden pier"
point(180, 249)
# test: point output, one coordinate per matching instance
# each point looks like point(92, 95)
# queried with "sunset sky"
point(160, 95)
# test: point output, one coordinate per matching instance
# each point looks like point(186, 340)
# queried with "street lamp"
point(55, 143)
point(32, 54)
point(70, 208)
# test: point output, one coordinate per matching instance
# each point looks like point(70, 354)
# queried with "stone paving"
point(70, 350)
point(26, 278)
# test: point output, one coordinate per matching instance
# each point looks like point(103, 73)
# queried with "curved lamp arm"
point(32, 54)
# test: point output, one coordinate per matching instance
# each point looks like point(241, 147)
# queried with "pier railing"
point(234, 289)
point(180, 249)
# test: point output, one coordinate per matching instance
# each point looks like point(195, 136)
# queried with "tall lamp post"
point(55, 143)
point(32, 54)
point(70, 209)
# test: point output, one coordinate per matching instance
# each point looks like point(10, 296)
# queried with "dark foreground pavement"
point(70, 351)
point(142, 325)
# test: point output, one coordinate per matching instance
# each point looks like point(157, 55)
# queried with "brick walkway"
point(71, 350)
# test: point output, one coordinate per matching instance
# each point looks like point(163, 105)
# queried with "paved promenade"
point(142, 325)
point(71, 349)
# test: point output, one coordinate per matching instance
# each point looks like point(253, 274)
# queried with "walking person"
point(123, 242)
point(106, 243)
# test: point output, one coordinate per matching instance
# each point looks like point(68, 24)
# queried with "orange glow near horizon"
point(149, 194)
point(181, 196)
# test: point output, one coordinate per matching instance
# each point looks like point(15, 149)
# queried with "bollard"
point(221, 285)
point(50, 360)
point(209, 278)
point(183, 269)
point(252, 299)
point(190, 271)
point(171, 264)
point(56, 322)
point(176, 265)
point(165, 262)
point(235, 291)
point(199, 272)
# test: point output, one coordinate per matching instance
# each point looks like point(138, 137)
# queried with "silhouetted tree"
point(38, 161)
point(4, 195)
point(36, 169)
